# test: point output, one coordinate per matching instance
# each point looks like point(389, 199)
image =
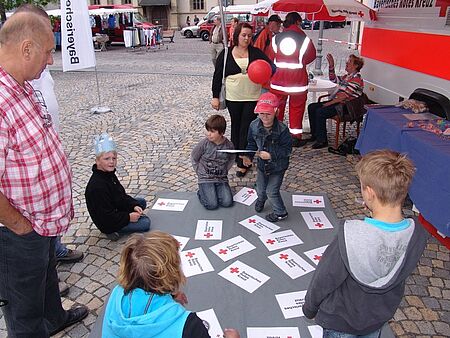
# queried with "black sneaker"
point(259, 206)
point(272, 217)
point(113, 236)
point(72, 256)
point(297, 143)
point(74, 315)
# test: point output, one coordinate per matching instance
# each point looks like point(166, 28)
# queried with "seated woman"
point(148, 301)
point(349, 86)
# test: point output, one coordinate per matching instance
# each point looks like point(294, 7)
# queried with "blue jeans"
point(29, 282)
point(318, 115)
point(143, 223)
point(60, 249)
point(213, 195)
point(268, 186)
point(327, 333)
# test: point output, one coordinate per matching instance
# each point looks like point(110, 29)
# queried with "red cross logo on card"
point(223, 251)
point(234, 270)
point(252, 220)
point(284, 256)
point(208, 235)
point(317, 257)
point(270, 241)
point(318, 225)
point(317, 201)
point(190, 254)
point(361, 14)
point(161, 203)
point(250, 191)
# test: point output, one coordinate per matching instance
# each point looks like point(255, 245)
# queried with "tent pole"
point(318, 65)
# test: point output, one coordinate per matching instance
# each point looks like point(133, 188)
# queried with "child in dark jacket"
point(272, 142)
point(113, 211)
point(360, 279)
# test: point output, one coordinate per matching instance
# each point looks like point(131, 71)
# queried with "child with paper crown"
point(113, 211)
point(360, 279)
point(272, 142)
point(148, 302)
point(212, 165)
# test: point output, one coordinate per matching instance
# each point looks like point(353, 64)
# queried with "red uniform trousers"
point(297, 104)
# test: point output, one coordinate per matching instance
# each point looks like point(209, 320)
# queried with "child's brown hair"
point(388, 173)
point(151, 262)
point(216, 122)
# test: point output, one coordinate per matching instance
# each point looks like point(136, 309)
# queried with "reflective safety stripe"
point(295, 131)
point(290, 65)
point(289, 89)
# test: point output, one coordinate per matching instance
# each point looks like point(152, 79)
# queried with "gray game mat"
point(234, 306)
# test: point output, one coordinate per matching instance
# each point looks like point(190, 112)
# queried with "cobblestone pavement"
point(160, 101)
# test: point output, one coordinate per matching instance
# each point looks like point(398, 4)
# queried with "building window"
point(95, 2)
point(198, 4)
point(126, 2)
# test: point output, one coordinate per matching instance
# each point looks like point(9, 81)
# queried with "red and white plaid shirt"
point(35, 175)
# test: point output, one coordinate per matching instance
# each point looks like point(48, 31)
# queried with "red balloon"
point(259, 71)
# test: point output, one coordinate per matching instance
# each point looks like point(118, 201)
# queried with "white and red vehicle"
point(407, 47)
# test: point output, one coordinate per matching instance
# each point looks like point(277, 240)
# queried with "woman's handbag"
point(222, 95)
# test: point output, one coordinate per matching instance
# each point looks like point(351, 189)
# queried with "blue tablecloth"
point(385, 128)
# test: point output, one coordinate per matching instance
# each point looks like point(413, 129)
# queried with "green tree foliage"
point(7, 5)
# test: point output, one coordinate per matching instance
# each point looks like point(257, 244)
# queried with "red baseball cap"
point(267, 103)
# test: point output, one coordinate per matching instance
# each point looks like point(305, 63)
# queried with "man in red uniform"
point(293, 52)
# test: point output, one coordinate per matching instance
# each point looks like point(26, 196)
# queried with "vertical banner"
point(77, 48)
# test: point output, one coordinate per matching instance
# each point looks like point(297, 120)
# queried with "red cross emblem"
point(234, 270)
point(162, 203)
point(270, 241)
point(250, 191)
point(319, 225)
point(252, 220)
point(190, 254)
point(284, 256)
point(208, 234)
point(317, 257)
point(361, 14)
point(317, 201)
point(223, 251)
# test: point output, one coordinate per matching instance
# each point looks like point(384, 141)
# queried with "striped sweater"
point(351, 85)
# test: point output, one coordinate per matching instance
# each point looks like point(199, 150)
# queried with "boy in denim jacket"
point(272, 142)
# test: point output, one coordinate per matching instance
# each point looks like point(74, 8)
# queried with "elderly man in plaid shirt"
point(35, 186)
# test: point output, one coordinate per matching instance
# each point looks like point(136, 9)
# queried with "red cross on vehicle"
point(284, 256)
point(270, 241)
point(190, 254)
point(234, 270)
point(208, 234)
point(252, 220)
point(318, 225)
point(317, 257)
point(223, 251)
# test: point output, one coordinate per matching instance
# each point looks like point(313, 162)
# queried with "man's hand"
point(21, 229)
point(134, 216)
point(231, 333)
point(264, 155)
point(180, 297)
point(330, 60)
point(246, 161)
point(138, 209)
point(215, 103)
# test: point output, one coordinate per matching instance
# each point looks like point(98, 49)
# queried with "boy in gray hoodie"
point(212, 164)
point(360, 279)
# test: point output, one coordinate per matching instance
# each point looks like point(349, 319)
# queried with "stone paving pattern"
point(160, 101)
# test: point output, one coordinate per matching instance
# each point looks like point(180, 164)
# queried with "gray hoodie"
point(360, 279)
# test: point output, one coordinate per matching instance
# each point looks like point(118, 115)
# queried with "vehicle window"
point(245, 17)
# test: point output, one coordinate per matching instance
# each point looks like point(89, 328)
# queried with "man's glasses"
point(45, 116)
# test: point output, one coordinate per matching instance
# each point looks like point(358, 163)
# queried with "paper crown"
point(104, 143)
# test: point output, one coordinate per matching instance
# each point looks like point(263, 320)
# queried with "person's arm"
point(310, 54)
point(197, 153)
point(12, 219)
point(218, 74)
point(251, 145)
point(329, 275)
point(231, 157)
point(194, 327)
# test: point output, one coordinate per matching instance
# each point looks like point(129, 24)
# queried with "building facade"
point(171, 13)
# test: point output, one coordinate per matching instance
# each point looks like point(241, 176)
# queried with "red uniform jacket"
point(293, 52)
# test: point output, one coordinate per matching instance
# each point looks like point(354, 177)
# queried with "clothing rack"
point(149, 38)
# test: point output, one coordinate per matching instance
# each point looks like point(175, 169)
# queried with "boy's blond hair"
point(97, 157)
point(151, 262)
point(388, 173)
